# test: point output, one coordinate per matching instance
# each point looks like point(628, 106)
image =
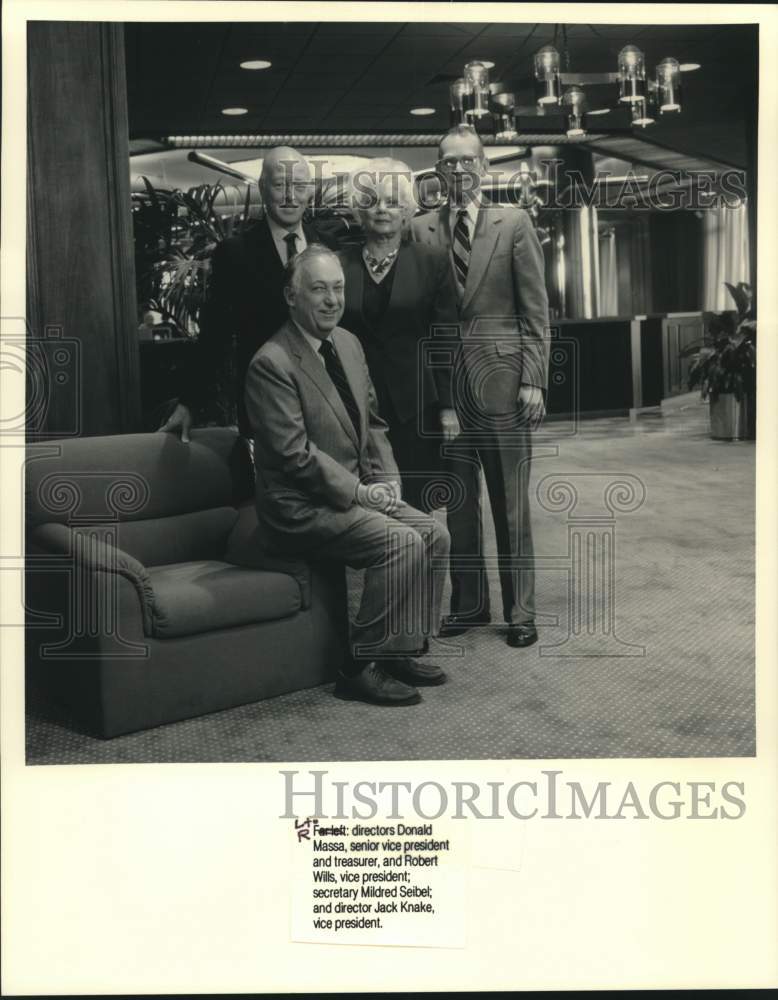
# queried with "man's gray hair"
point(463, 131)
point(297, 264)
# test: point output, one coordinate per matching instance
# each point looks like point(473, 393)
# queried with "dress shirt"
point(471, 218)
point(314, 342)
point(279, 235)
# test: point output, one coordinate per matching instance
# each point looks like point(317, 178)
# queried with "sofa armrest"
point(87, 549)
point(246, 547)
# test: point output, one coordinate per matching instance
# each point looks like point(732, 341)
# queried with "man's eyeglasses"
point(450, 162)
point(301, 189)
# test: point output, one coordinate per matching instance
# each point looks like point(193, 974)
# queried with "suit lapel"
point(317, 373)
point(266, 256)
point(353, 273)
point(439, 234)
point(485, 237)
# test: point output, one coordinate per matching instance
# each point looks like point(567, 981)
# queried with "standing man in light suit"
point(328, 485)
point(500, 391)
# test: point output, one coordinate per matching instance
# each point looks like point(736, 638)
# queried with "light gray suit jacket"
point(504, 310)
point(308, 459)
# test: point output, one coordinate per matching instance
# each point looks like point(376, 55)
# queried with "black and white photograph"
point(388, 497)
point(381, 365)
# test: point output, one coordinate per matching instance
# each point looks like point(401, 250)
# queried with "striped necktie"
point(460, 248)
point(338, 376)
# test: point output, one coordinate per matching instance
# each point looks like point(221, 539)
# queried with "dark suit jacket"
point(504, 311)
point(309, 459)
point(245, 306)
point(423, 297)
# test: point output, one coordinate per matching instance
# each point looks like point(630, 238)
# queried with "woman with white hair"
point(397, 293)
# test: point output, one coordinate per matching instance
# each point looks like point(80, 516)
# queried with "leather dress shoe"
point(407, 670)
point(457, 624)
point(522, 635)
point(375, 686)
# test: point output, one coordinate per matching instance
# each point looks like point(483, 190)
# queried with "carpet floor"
point(669, 674)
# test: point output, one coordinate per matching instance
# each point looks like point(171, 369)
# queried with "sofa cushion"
point(247, 546)
point(194, 597)
point(203, 534)
point(136, 477)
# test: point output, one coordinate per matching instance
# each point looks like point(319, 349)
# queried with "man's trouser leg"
point(506, 466)
point(404, 557)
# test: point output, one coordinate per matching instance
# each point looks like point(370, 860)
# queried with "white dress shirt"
point(314, 342)
point(279, 235)
point(471, 218)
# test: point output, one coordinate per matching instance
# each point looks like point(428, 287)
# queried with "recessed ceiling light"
point(256, 64)
point(688, 67)
point(235, 111)
point(422, 111)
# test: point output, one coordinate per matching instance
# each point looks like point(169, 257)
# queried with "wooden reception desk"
point(610, 366)
point(617, 366)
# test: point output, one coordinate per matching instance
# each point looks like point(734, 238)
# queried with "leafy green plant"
point(176, 233)
point(725, 360)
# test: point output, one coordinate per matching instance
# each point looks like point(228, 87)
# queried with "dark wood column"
point(80, 271)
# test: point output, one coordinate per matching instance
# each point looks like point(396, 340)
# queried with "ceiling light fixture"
point(235, 111)
point(256, 64)
point(492, 108)
point(422, 111)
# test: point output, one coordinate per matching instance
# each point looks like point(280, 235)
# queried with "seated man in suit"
point(328, 485)
point(245, 303)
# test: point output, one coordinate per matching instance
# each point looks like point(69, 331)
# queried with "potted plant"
point(724, 367)
point(176, 233)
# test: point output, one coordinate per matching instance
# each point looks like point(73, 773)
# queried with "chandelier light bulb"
point(461, 101)
point(547, 84)
point(503, 107)
point(574, 101)
point(477, 76)
point(632, 74)
point(640, 113)
point(668, 83)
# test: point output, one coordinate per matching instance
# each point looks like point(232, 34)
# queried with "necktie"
point(338, 376)
point(460, 249)
point(291, 245)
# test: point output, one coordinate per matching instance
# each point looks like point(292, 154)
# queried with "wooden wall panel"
point(79, 247)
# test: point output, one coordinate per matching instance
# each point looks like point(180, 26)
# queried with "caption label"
point(378, 883)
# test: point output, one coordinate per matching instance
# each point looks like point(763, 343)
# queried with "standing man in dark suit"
point(245, 303)
point(328, 486)
point(497, 262)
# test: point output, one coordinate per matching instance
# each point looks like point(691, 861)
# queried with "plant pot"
point(731, 420)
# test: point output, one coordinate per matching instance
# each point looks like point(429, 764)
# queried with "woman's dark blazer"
point(407, 358)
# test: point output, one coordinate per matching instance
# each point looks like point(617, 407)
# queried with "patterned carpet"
point(672, 676)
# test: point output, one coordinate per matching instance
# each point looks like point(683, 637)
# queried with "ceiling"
point(338, 77)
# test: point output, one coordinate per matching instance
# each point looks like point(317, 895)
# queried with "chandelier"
point(490, 107)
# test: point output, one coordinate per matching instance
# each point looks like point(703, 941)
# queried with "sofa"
point(151, 593)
